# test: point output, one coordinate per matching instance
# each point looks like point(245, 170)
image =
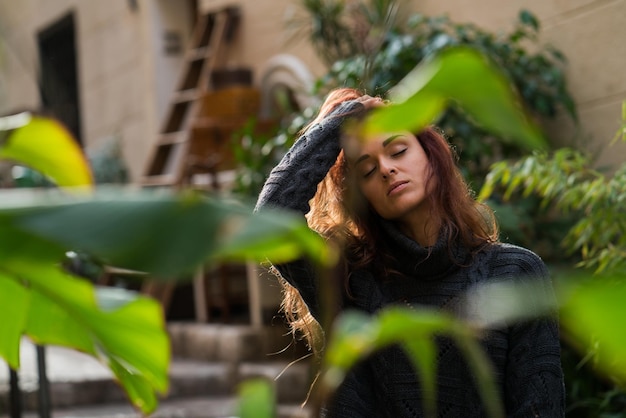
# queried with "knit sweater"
point(525, 356)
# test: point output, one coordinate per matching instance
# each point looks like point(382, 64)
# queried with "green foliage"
point(193, 229)
point(566, 180)
point(591, 314)
point(480, 88)
point(536, 74)
point(588, 394)
point(256, 155)
point(523, 221)
point(534, 69)
point(107, 163)
point(568, 187)
point(162, 235)
point(125, 331)
point(339, 29)
point(30, 139)
point(256, 399)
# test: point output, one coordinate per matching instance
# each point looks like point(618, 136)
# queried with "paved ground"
point(78, 369)
point(62, 365)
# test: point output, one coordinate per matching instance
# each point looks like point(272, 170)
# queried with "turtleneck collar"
point(423, 263)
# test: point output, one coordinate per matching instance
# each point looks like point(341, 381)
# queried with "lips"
point(396, 186)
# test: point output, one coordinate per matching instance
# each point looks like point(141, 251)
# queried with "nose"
point(387, 171)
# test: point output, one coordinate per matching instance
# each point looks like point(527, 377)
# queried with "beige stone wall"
point(264, 34)
point(124, 77)
point(591, 34)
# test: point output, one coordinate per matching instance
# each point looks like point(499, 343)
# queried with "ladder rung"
point(199, 53)
point(171, 138)
point(184, 96)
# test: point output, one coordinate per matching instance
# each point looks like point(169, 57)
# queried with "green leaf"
point(127, 333)
point(46, 146)
point(256, 399)
point(52, 321)
point(14, 304)
point(279, 236)
point(423, 353)
point(527, 18)
point(138, 389)
point(135, 334)
point(463, 76)
point(593, 312)
point(167, 236)
point(354, 336)
point(483, 372)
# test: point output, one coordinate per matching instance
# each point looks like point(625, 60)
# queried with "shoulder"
point(508, 259)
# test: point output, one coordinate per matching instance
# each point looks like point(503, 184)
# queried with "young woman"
point(413, 236)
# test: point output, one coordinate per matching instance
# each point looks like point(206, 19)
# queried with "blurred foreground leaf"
point(122, 329)
point(53, 307)
point(164, 235)
point(46, 146)
point(592, 314)
point(467, 78)
point(256, 399)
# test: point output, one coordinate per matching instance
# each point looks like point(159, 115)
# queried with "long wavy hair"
point(340, 213)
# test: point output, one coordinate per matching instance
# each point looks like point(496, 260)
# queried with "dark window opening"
point(59, 73)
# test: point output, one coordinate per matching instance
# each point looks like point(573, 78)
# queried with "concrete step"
point(205, 407)
point(188, 379)
point(96, 385)
point(291, 381)
point(209, 361)
point(233, 343)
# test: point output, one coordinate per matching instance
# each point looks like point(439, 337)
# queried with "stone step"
point(233, 343)
point(76, 379)
point(199, 407)
point(291, 381)
point(97, 385)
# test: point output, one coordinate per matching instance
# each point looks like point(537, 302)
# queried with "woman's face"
point(392, 173)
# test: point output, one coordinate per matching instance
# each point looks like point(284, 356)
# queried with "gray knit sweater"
point(525, 356)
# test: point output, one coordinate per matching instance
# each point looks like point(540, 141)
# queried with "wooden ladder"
point(167, 164)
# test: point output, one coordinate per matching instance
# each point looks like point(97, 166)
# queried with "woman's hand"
point(371, 102)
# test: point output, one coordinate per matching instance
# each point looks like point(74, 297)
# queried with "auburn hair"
point(340, 213)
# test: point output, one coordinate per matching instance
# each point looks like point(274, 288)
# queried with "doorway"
point(59, 73)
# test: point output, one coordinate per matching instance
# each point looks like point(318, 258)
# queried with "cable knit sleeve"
point(293, 182)
point(534, 385)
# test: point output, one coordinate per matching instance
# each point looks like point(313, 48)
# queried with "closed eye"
point(397, 154)
point(370, 172)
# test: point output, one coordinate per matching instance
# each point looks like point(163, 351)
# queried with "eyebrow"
point(385, 143)
point(391, 138)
